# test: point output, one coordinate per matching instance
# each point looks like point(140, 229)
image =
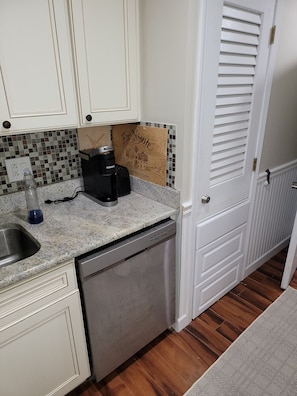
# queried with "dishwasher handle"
point(131, 246)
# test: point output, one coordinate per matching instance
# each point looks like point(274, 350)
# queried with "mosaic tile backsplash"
point(54, 156)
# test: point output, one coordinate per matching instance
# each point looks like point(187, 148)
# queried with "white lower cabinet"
point(42, 341)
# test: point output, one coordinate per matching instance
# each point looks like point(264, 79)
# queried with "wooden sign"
point(94, 137)
point(143, 150)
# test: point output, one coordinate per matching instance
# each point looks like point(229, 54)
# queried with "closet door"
point(237, 36)
point(236, 47)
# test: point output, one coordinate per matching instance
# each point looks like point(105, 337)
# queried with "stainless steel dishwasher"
point(128, 293)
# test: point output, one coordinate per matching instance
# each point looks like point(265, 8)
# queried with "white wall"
point(280, 141)
point(168, 33)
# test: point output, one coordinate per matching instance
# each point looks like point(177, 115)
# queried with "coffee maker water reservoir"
point(99, 174)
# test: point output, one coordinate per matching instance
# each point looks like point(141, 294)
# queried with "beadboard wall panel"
point(273, 215)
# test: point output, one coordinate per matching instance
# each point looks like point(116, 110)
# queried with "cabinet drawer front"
point(24, 298)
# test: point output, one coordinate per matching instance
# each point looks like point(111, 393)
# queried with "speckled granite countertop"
point(76, 227)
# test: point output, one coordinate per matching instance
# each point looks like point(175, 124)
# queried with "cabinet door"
point(37, 89)
point(105, 40)
point(45, 352)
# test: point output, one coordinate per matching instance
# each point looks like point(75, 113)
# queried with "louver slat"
point(233, 99)
point(234, 90)
point(230, 165)
point(239, 26)
point(237, 70)
point(232, 170)
point(238, 49)
point(224, 110)
point(229, 137)
point(234, 80)
point(223, 129)
point(241, 15)
point(239, 38)
point(224, 147)
point(237, 60)
point(238, 55)
point(231, 118)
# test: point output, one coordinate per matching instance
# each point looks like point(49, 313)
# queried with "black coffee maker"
point(99, 174)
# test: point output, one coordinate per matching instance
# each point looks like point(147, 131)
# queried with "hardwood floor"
point(174, 361)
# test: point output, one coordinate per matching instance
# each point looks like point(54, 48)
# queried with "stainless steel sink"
point(16, 244)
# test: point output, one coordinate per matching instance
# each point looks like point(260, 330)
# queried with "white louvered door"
point(236, 46)
point(234, 70)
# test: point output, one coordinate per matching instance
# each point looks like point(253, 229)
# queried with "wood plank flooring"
point(174, 361)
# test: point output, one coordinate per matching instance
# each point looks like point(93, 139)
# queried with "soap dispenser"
point(35, 215)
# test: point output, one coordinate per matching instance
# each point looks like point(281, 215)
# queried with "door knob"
point(205, 198)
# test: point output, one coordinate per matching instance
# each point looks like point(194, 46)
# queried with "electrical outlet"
point(15, 168)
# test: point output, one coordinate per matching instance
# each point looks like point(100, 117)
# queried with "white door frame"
point(279, 10)
point(291, 261)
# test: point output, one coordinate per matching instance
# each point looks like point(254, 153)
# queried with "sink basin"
point(16, 244)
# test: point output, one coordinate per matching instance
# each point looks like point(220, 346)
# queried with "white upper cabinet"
point(37, 89)
point(105, 36)
point(63, 62)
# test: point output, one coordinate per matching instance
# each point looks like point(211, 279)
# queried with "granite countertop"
point(73, 228)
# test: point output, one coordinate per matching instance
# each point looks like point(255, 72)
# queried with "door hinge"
point(255, 160)
point(272, 34)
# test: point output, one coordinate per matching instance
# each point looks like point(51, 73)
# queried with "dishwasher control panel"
point(127, 247)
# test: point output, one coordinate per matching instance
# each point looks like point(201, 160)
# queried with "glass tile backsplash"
point(54, 156)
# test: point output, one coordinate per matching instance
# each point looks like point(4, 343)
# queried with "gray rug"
point(262, 361)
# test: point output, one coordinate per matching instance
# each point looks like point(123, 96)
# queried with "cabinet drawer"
point(23, 298)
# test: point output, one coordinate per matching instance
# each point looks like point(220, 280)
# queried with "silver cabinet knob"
point(205, 198)
point(294, 185)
